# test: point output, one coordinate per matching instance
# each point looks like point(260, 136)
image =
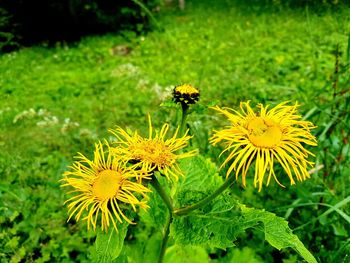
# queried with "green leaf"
point(212, 228)
point(214, 225)
point(109, 244)
point(155, 216)
point(220, 228)
point(144, 247)
point(246, 255)
point(201, 178)
point(276, 229)
point(220, 222)
point(185, 254)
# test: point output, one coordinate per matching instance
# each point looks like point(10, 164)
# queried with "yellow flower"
point(103, 187)
point(186, 94)
point(155, 153)
point(275, 134)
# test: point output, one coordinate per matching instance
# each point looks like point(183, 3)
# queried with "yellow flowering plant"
point(266, 137)
point(125, 174)
point(102, 186)
point(155, 152)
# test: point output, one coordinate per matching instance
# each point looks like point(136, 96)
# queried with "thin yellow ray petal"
point(150, 131)
point(113, 204)
point(247, 165)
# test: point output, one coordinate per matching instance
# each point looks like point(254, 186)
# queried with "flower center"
point(107, 184)
point(264, 133)
point(186, 89)
point(153, 151)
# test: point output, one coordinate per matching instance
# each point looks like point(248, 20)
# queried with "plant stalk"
point(184, 108)
point(160, 190)
point(165, 238)
point(206, 200)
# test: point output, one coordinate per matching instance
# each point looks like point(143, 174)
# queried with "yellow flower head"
point(103, 187)
point(186, 94)
point(275, 134)
point(155, 153)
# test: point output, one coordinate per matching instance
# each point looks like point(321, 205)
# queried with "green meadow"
point(57, 101)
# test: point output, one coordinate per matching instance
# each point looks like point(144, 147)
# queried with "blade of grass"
point(330, 210)
point(348, 50)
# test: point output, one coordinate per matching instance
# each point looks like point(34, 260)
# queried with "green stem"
point(206, 200)
point(160, 190)
point(184, 108)
point(165, 238)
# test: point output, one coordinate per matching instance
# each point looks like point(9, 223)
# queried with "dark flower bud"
point(185, 94)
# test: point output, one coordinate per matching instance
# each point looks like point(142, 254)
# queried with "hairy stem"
point(160, 190)
point(165, 238)
point(206, 200)
point(184, 108)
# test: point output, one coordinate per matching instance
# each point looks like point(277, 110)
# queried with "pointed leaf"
point(109, 244)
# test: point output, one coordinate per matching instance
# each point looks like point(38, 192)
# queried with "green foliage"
point(233, 53)
point(109, 244)
point(319, 5)
point(185, 254)
point(7, 36)
point(220, 222)
point(201, 178)
point(277, 232)
point(245, 255)
point(206, 228)
point(33, 223)
point(142, 242)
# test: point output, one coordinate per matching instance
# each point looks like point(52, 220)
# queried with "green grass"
point(232, 52)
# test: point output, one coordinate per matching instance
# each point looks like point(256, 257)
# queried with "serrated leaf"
point(220, 228)
point(201, 178)
point(109, 244)
point(277, 231)
point(205, 230)
point(213, 225)
point(220, 222)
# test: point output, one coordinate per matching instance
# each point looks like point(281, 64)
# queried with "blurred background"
point(69, 70)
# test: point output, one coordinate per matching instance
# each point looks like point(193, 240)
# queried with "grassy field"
point(58, 101)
